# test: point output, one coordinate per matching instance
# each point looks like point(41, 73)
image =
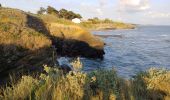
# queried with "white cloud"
point(134, 5)
point(102, 3)
point(158, 14)
point(99, 11)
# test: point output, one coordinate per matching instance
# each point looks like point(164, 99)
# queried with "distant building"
point(76, 20)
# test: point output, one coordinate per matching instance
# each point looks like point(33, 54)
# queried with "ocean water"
point(131, 51)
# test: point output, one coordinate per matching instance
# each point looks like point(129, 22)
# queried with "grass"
point(97, 85)
point(68, 30)
point(22, 47)
point(14, 30)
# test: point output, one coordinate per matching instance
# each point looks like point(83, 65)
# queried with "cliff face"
point(26, 41)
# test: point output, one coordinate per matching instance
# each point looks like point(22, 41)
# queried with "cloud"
point(157, 14)
point(99, 11)
point(103, 3)
point(134, 5)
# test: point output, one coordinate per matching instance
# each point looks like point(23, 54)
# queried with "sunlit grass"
point(69, 30)
point(14, 30)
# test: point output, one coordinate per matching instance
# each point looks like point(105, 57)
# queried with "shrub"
point(152, 84)
point(101, 84)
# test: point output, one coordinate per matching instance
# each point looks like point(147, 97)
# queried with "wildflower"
point(77, 65)
point(93, 79)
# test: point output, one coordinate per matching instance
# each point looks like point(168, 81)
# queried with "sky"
point(154, 12)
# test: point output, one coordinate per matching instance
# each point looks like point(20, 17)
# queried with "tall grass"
point(97, 85)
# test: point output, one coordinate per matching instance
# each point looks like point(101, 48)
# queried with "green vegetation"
point(62, 13)
point(41, 11)
point(24, 44)
point(97, 85)
point(26, 40)
point(106, 24)
point(91, 24)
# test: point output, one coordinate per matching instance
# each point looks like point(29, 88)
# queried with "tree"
point(41, 11)
point(53, 11)
point(63, 13)
point(107, 20)
point(0, 5)
point(78, 16)
point(95, 20)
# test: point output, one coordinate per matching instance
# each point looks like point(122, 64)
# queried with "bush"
point(97, 85)
point(153, 84)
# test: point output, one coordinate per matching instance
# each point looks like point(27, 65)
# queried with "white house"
point(76, 20)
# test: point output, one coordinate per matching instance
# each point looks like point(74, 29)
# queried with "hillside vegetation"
point(66, 29)
point(97, 85)
point(26, 41)
point(90, 24)
point(106, 24)
point(23, 42)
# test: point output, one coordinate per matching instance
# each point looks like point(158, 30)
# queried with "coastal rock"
point(75, 48)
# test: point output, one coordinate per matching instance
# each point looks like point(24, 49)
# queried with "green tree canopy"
point(108, 20)
point(62, 13)
point(52, 10)
point(41, 11)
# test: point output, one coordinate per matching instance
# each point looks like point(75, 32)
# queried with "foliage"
point(97, 85)
point(52, 10)
point(153, 84)
point(62, 13)
point(104, 24)
point(41, 11)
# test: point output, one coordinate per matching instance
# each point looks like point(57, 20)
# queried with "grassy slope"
point(98, 85)
point(21, 44)
point(66, 29)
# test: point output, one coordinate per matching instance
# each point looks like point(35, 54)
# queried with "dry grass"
point(66, 29)
point(21, 45)
point(21, 90)
point(77, 33)
point(14, 30)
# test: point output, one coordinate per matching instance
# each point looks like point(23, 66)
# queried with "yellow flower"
point(93, 79)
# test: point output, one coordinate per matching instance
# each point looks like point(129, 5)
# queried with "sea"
point(130, 51)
